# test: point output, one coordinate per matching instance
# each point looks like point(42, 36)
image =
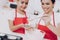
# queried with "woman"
point(47, 18)
point(17, 23)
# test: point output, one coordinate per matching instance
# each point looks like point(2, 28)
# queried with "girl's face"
point(47, 5)
point(22, 4)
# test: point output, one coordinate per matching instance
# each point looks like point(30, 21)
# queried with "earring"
point(53, 7)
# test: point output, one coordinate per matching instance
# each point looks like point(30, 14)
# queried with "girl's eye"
point(26, 3)
point(42, 3)
point(47, 3)
point(22, 2)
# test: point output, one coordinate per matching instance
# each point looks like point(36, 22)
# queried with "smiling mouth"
point(46, 9)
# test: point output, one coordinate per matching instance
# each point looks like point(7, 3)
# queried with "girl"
point(17, 23)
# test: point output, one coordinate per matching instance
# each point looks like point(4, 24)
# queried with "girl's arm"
point(54, 29)
point(14, 27)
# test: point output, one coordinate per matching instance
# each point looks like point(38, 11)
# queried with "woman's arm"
point(54, 29)
point(14, 27)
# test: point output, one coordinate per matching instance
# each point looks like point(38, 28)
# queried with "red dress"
point(19, 21)
point(49, 34)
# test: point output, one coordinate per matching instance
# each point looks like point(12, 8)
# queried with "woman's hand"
point(46, 18)
point(28, 27)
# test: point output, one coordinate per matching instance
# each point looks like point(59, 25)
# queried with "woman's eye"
point(22, 2)
point(47, 3)
point(26, 3)
point(42, 3)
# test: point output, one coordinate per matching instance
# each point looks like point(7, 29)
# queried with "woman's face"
point(47, 5)
point(23, 4)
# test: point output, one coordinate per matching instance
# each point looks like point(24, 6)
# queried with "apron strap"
point(39, 21)
point(25, 14)
point(15, 13)
point(54, 20)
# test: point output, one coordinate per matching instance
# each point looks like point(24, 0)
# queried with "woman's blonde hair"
point(17, 1)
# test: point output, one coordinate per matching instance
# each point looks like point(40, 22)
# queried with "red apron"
point(49, 34)
point(19, 21)
point(11, 0)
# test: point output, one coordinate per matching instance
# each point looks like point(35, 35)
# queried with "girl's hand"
point(46, 19)
point(28, 27)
